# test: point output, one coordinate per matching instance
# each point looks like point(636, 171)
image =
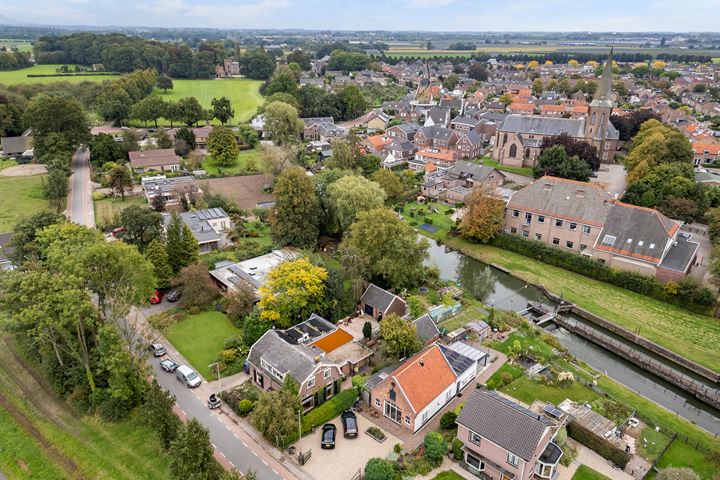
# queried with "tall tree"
point(165, 83)
point(390, 183)
point(191, 112)
point(23, 245)
point(573, 147)
point(351, 195)
point(104, 149)
point(54, 113)
point(282, 123)
point(142, 225)
point(192, 454)
point(556, 162)
point(162, 139)
point(156, 254)
point(295, 217)
point(257, 64)
point(182, 248)
point(223, 146)
point(188, 136)
point(158, 414)
point(222, 109)
point(343, 157)
point(199, 290)
point(120, 180)
point(400, 337)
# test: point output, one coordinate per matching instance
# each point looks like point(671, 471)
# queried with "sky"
point(428, 15)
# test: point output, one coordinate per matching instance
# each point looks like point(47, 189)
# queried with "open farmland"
point(15, 77)
point(404, 51)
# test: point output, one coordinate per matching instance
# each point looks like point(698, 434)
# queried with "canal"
point(511, 293)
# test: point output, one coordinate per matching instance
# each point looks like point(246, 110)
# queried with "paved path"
point(235, 444)
point(80, 203)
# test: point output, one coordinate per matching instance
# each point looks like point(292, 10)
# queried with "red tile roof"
point(424, 377)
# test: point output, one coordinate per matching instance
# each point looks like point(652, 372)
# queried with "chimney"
point(422, 363)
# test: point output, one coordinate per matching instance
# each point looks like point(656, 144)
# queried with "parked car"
point(117, 232)
point(156, 297)
point(168, 365)
point(328, 436)
point(188, 376)
point(174, 295)
point(350, 425)
point(157, 349)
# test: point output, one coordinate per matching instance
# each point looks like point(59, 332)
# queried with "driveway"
point(348, 456)
point(80, 203)
point(612, 178)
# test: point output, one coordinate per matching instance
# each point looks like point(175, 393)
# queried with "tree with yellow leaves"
point(592, 63)
point(658, 65)
point(573, 63)
point(293, 290)
point(548, 62)
point(533, 65)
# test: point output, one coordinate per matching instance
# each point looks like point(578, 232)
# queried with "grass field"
point(41, 438)
point(448, 475)
point(239, 168)
point(243, 93)
point(656, 443)
point(528, 172)
point(689, 334)
point(20, 76)
point(107, 208)
point(679, 455)
point(20, 197)
point(403, 51)
point(586, 473)
point(199, 338)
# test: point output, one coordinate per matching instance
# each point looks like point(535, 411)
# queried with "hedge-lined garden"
point(604, 448)
point(329, 410)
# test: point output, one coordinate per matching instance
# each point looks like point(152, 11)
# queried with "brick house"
point(403, 132)
point(439, 137)
point(161, 160)
point(379, 303)
point(311, 127)
point(469, 145)
point(503, 440)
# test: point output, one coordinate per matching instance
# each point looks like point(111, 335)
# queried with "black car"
point(328, 436)
point(174, 295)
point(350, 426)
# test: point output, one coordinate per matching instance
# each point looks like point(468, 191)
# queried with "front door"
point(393, 412)
point(368, 310)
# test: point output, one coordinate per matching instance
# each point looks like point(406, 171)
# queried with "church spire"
point(604, 88)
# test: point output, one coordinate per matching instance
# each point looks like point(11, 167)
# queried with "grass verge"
point(489, 162)
point(681, 455)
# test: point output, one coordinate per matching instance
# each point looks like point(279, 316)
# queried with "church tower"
point(600, 108)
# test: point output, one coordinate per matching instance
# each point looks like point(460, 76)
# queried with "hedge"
point(604, 448)
point(329, 410)
point(689, 293)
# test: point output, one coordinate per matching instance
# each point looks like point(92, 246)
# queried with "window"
point(556, 241)
point(605, 155)
point(407, 419)
point(377, 402)
point(311, 383)
point(513, 230)
point(424, 417)
point(474, 462)
point(582, 247)
point(516, 213)
point(329, 391)
point(527, 153)
point(541, 219)
point(652, 245)
point(474, 438)
point(326, 373)
point(538, 236)
point(504, 138)
point(526, 233)
point(528, 218)
point(607, 145)
point(573, 226)
point(512, 460)
point(449, 395)
point(392, 412)
point(569, 244)
point(513, 150)
point(558, 223)
point(586, 229)
point(640, 243)
point(609, 240)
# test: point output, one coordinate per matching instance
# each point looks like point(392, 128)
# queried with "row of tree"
point(11, 60)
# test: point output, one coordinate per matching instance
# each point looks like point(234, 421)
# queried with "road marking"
point(275, 472)
point(235, 435)
point(254, 453)
point(264, 462)
point(245, 445)
point(214, 446)
point(231, 464)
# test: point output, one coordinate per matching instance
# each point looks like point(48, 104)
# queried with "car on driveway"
point(174, 295)
point(156, 297)
point(350, 425)
point(157, 349)
point(188, 376)
point(328, 436)
point(168, 365)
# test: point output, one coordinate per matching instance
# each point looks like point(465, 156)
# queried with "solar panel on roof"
point(552, 410)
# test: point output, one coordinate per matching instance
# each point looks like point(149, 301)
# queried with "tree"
point(22, 245)
point(451, 81)
point(295, 217)
point(483, 219)
point(198, 288)
point(353, 101)
point(182, 248)
point(257, 64)
point(240, 301)
point(556, 162)
point(284, 81)
point(130, 140)
point(367, 330)
point(400, 336)
point(343, 157)
point(478, 72)
point(55, 187)
point(158, 414)
point(390, 183)
point(162, 139)
point(301, 58)
point(293, 290)
point(377, 468)
point(351, 195)
point(104, 149)
point(248, 135)
point(506, 99)
point(113, 103)
point(676, 473)
point(142, 225)
point(192, 454)
point(253, 328)
point(222, 109)
point(149, 109)
point(537, 87)
point(223, 146)
point(390, 248)
point(282, 123)
point(435, 447)
point(275, 415)
point(157, 255)
point(190, 110)
point(188, 136)
point(369, 164)
point(54, 113)
point(573, 147)
point(165, 83)
point(120, 180)
point(629, 125)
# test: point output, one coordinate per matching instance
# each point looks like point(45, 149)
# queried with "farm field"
point(20, 198)
point(41, 438)
point(243, 93)
point(21, 45)
point(692, 335)
point(539, 49)
point(15, 77)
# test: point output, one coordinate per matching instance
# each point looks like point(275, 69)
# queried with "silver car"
point(188, 376)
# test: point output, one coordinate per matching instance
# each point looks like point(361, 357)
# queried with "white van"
point(188, 376)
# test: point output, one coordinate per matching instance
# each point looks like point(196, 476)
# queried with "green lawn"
point(689, 334)
point(527, 390)
point(512, 370)
point(471, 313)
point(199, 338)
point(529, 344)
point(448, 475)
point(258, 232)
point(243, 93)
point(441, 220)
point(656, 443)
point(7, 162)
point(528, 172)
point(586, 473)
point(240, 167)
point(16, 445)
point(107, 209)
point(15, 77)
point(681, 455)
point(20, 197)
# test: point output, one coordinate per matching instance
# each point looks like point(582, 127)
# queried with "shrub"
point(457, 446)
point(379, 469)
point(329, 410)
point(606, 449)
point(676, 473)
point(447, 421)
point(428, 220)
point(367, 330)
point(435, 447)
point(397, 448)
point(244, 407)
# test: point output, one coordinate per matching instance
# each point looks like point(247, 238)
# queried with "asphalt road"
point(232, 447)
point(80, 203)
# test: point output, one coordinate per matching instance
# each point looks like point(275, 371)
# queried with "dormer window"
point(609, 240)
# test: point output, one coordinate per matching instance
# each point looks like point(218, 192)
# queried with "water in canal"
point(511, 294)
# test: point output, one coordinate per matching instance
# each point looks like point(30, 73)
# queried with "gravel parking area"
point(349, 454)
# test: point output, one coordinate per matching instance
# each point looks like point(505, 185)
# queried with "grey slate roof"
point(465, 120)
point(377, 297)
point(310, 121)
point(297, 360)
point(465, 169)
point(437, 132)
point(425, 327)
point(680, 255)
point(440, 116)
point(402, 146)
point(15, 145)
point(198, 223)
point(504, 422)
point(472, 136)
point(567, 199)
point(575, 127)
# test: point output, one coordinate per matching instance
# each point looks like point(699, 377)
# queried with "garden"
point(21, 197)
point(248, 162)
point(433, 214)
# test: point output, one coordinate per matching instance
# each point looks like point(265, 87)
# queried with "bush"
point(379, 469)
point(606, 449)
point(690, 294)
point(329, 410)
point(244, 407)
point(397, 448)
point(457, 450)
point(447, 421)
point(428, 220)
point(435, 447)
